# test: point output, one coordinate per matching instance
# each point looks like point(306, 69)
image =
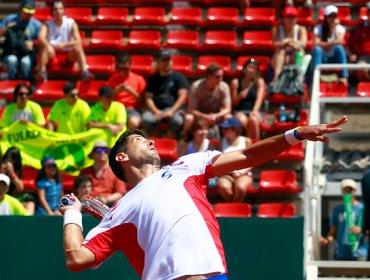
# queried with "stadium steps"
point(317, 270)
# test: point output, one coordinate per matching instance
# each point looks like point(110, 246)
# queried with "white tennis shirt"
point(165, 225)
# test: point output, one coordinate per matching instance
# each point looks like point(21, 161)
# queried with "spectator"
point(60, 39)
point(22, 109)
point(20, 31)
point(11, 165)
point(247, 93)
point(166, 93)
point(108, 115)
point(329, 41)
point(197, 139)
point(49, 188)
point(209, 100)
point(365, 187)
point(8, 204)
point(233, 186)
point(359, 47)
point(106, 186)
point(82, 185)
point(129, 90)
point(289, 38)
point(71, 114)
point(340, 231)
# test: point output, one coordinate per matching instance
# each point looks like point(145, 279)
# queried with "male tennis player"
point(165, 225)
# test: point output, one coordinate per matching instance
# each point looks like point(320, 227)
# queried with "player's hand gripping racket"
point(90, 205)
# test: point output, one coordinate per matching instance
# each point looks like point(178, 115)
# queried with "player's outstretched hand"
point(317, 132)
point(76, 204)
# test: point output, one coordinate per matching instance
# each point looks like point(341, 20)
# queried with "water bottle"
point(282, 113)
point(298, 58)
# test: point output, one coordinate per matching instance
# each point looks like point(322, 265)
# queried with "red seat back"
point(233, 209)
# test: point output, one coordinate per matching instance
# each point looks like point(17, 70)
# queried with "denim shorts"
point(219, 277)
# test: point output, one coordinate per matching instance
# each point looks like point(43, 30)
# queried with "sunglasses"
point(218, 76)
point(73, 95)
point(102, 149)
point(123, 68)
point(24, 94)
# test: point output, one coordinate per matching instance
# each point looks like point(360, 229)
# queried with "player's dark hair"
point(121, 146)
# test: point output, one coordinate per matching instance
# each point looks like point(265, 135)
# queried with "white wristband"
point(290, 137)
point(73, 216)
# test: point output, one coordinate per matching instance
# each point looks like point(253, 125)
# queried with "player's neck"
point(138, 174)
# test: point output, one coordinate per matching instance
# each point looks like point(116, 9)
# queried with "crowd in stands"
point(207, 113)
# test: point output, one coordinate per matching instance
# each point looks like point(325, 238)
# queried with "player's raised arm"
point(78, 257)
point(269, 148)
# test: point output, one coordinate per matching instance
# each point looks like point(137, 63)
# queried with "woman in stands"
point(289, 38)
point(247, 93)
point(82, 185)
point(329, 42)
point(233, 186)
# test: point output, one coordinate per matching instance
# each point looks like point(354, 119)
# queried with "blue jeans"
point(219, 277)
point(339, 57)
point(12, 62)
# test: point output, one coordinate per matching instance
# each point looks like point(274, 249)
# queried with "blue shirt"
point(53, 191)
point(32, 27)
point(343, 249)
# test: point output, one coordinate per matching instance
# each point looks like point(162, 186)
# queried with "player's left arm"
point(269, 148)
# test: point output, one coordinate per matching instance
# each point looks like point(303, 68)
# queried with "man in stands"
point(165, 94)
point(359, 46)
point(60, 39)
point(20, 30)
point(128, 89)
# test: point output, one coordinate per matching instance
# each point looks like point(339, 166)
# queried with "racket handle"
point(65, 201)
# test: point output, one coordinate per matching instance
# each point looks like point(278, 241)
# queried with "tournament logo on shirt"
point(166, 175)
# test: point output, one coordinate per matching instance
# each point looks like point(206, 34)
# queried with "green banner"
point(69, 151)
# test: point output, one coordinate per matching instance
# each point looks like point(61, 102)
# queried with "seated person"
point(8, 204)
point(60, 38)
point(82, 185)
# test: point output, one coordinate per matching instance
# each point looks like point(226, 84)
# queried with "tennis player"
point(164, 224)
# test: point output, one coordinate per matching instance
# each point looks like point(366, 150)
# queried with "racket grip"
point(65, 201)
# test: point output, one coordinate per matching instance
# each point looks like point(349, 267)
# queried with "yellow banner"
point(69, 151)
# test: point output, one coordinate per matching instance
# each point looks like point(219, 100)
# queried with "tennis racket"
point(94, 207)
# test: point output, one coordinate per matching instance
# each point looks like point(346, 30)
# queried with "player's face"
point(141, 151)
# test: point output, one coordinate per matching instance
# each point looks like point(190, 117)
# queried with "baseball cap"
point(48, 161)
point(4, 178)
point(105, 90)
point(164, 53)
point(290, 11)
point(101, 144)
point(28, 6)
point(348, 183)
point(230, 122)
point(330, 9)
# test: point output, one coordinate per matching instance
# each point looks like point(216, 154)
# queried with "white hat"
point(330, 9)
point(348, 183)
point(4, 178)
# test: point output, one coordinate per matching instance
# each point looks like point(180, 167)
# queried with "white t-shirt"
point(60, 34)
point(339, 29)
point(165, 225)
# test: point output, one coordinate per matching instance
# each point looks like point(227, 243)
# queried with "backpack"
point(289, 82)
point(15, 43)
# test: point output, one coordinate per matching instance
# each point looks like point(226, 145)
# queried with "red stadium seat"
point(82, 15)
point(257, 40)
point(146, 2)
point(295, 152)
point(220, 40)
point(149, 16)
point(222, 16)
point(49, 91)
point(264, 62)
point(344, 15)
point(205, 60)
point(106, 40)
point(7, 88)
point(259, 16)
point(276, 210)
point(144, 39)
point(233, 209)
point(67, 182)
point(362, 14)
point(305, 16)
point(363, 89)
point(278, 181)
point(218, 2)
point(43, 13)
point(101, 64)
point(89, 90)
point(334, 89)
point(183, 39)
point(112, 16)
point(142, 64)
point(183, 64)
point(166, 148)
point(29, 177)
point(186, 16)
